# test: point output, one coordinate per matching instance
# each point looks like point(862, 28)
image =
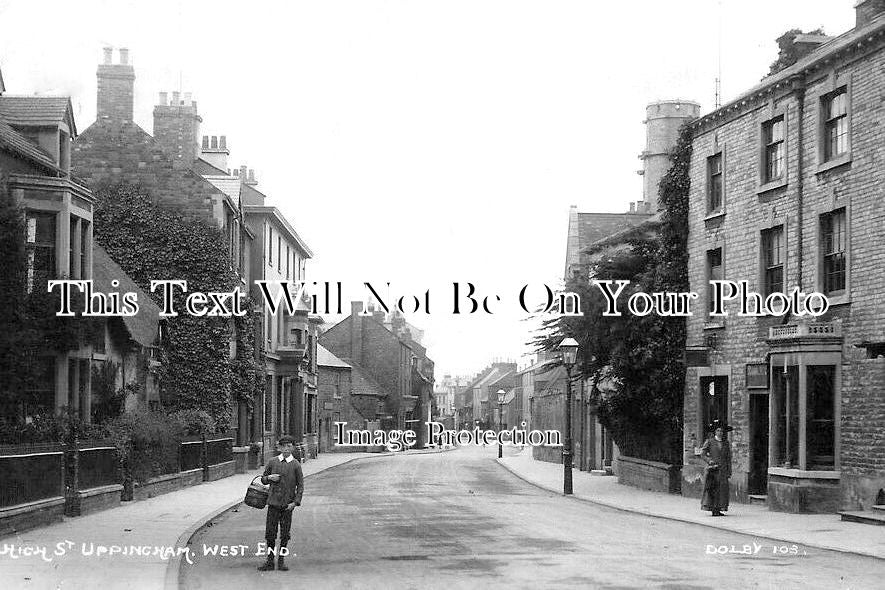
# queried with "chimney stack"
point(215, 151)
point(177, 129)
point(867, 10)
point(116, 87)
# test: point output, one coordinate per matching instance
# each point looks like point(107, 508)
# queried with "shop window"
point(820, 425)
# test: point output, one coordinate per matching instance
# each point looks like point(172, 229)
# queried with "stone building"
point(167, 167)
point(787, 192)
point(388, 356)
point(346, 395)
point(35, 148)
point(289, 341)
point(35, 166)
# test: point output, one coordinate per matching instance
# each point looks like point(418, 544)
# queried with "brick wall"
point(857, 186)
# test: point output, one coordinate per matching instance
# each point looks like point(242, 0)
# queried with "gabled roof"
point(143, 325)
point(38, 111)
point(327, 359)
point(18, 145)
point(203, 167)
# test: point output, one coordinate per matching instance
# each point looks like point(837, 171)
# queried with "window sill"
point(842, 160)
point(715, 215)
point(714, 325)
point(799, 474)
point(771, 186)
point(841, 299)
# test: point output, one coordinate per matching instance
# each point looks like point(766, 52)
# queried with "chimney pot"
point(187, 98)
point(124, 56)
point(164, 98)
point(243, 173)
point(251, 175)
point(205, 142)
point(175, 98)
point(214, 142)
point(108, 54)
point(222, 142)
point(236, 172)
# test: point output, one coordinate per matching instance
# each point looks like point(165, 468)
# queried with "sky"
point(421, 143)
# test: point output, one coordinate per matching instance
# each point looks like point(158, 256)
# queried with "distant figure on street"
point(286, 480)
point(716, 452)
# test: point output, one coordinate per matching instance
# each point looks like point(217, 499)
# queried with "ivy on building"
point(634, 363)
point(151, 242)
point(788, 52)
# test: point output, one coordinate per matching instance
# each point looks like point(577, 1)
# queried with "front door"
point(757, 482)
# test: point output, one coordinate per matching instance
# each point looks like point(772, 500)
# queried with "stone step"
point(599, 472)
point(862, 516)
point(880, 507)
point(758, 499)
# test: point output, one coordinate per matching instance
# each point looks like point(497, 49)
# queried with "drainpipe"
point(799, 85)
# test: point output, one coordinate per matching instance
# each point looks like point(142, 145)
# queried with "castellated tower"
point(662, 122)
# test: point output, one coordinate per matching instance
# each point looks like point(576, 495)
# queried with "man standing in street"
point(286, 480)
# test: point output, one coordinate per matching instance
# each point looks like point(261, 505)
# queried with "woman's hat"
point(718, 424)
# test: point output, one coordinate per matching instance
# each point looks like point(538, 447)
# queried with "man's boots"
point(281, 564)
point(268, 564)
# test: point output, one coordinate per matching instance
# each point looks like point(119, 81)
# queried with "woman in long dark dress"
point(716, 451)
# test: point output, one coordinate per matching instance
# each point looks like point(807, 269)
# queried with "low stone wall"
point(101, 498)
point(240, 459)
point(649, 475)
point(803, 492)
point(167, 483)
point(23, 517)
point(221, 470)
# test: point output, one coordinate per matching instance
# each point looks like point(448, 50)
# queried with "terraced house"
point(786, 191)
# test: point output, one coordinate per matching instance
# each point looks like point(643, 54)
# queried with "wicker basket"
point(256, 494)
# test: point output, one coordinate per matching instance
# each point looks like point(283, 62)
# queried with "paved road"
point(459, 520)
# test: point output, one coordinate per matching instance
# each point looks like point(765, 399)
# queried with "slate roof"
point(327, 359)
point(14, 142)
point(37, 111)
point(143, 325)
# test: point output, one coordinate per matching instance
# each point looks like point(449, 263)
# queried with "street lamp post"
point(501, 395)
point(569, 348)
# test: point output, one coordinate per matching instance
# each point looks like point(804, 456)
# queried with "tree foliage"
point(634, 363)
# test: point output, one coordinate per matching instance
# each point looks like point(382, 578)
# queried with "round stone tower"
point(662, 122)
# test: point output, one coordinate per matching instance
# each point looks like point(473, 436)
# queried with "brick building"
point(786, 191)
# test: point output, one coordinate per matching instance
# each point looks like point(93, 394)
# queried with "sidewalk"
point(823, 531)
point(158, 526)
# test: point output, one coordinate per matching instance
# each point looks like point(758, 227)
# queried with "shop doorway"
point(757, 481)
